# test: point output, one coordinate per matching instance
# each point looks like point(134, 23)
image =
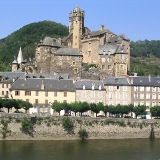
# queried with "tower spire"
point(20, 56)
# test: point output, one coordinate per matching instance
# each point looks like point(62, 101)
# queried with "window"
point(65, 94)
point(27, 100)
point(136, 95)
point(55, 94)
point(110, 103)
point(2, 92)
point(103, 66)
point(37, 93)
point(141, 96)
point(6, 93)
point(36, 101)
point(109, 59)
point(77, 58)
point(153, 104)
point(46, 94)
point(17, 93)
point(75, 43)
point(109, 66)
point(124, 95)
point(6, 85)
point(92, 94)
point(2, 85)
point(73, 63)
point(153, 89)
point(110, 88)
point(100, 94)
point(83, 95)
point(147, 96)
point(46, 101)
point(121, 66)
point(118, 87)
point(118, 95)
point(148, 104)
point(110, 95)
point(60, 57)
point(124, 102)
point(27, 93)
point(122, 56)
point(142, 88)
point(135, 88)
point(68, 57)
point(55, 100)
point(89, 53)
point(76, 70)
point(147, 88)
point(124, 88)
point(65, 101)
point(153, 96)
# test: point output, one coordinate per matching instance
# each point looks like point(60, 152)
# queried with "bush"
point(5, 129)
point(83, 134)
point(27, 127)
point(68, 125)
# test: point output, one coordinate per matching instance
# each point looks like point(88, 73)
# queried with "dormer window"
point(93, 85)
point(84, 87)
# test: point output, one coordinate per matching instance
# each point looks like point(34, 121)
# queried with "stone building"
point(118, 91)
point(52, 57)
point(145, 91)
point(111, 53)
point(97, 46)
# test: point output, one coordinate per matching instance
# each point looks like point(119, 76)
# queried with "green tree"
point(1, 104)
point(57, 106)
point(83, 107)
point(105, 109)
point(74, 107)
point(25, 105)
point(155, 111)
point(8, 103)
point(139, 110)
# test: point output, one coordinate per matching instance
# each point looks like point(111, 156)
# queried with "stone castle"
point(107, 51)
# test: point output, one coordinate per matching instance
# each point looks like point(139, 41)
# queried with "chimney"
point(102, 27)
point(135, 74)
point(149, 78)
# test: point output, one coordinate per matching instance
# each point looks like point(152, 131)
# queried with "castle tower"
point(76, 26)
point(14, 65)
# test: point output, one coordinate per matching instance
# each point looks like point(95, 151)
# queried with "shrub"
point(5, 129)
point(27, 127)
point(83, 134)
point(68, 125)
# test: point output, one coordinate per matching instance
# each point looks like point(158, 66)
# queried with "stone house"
point(90, 91)
point(145, 90)
point(42, 92)
point(118, 91)
point(52, 57)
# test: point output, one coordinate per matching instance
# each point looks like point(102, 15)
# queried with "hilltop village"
point(58, 73)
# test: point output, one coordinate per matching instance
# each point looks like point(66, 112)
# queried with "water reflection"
point(139, 149)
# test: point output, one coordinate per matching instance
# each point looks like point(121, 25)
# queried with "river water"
point(130, 149)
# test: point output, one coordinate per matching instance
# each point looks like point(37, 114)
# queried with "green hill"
point(27, 37)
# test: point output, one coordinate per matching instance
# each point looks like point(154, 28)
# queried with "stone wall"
point(97, 128)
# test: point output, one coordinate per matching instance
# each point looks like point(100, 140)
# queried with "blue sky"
point(137, 19)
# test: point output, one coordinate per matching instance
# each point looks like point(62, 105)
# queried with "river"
point(128, 149)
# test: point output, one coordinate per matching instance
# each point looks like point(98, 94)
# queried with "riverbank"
point(97, 128)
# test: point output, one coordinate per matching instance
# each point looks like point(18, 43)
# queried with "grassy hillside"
point(27, 37)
